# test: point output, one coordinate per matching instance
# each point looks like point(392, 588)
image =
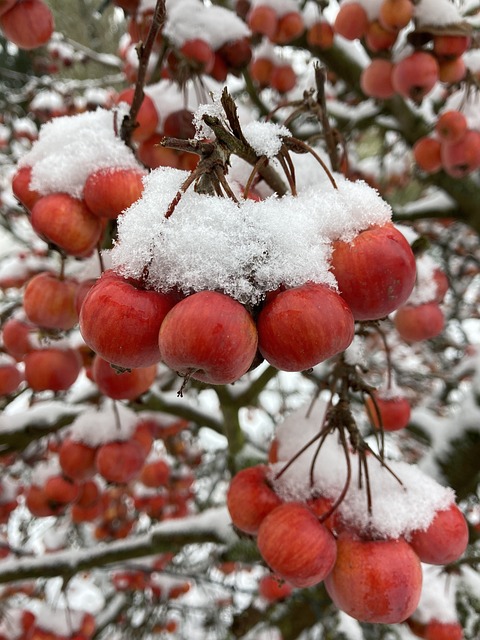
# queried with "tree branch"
point(210, 526)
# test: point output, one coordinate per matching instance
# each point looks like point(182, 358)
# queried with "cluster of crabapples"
point(37, 627)
point(206, 335)
point(212, 337)
point(373, 579)
point(436, 56)
point(108, 479)
point(454, 146)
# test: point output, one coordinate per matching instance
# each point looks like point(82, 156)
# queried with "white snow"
point(214, 243)
point(266, 138)
point(397, 509)
point(191, 19)
point(70, 148)
point(438, 13)
point(95, 427)
point(425, 289)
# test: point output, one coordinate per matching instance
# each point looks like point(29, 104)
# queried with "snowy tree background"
point(161, 558)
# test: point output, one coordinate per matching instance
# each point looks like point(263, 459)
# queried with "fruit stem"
point(144, 50)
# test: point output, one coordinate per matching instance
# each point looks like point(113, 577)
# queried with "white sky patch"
point(70, 148)
point(191, 19)
point(241, 249)
point(397, 509)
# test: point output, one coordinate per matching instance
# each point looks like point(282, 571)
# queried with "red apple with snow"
point(375, 272)
point(208, 336)
point(295, 327)
point(120, 320)
point(444, 540)
point(147, 117)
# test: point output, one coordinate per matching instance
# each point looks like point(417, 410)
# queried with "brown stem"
point(144, 51)
point(295, 142)
point(330, 137)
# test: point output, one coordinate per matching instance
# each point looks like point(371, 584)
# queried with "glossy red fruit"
point(436, 630)
point(147, 117)
point(283, 78)
point(250, 498)
point(52, 369)
point(461, 158)
point(108, 192)
point(375, 272)
point(376, 79)
point(351, 21)
point(122, 385)
point(444, 540)
point(451, 126)
point(155, 474)
point(376, 581)
point(10, 377)
point(77, 459)
point(199, 54)
point(49, 301)
point(395, 14)
point(421, 322)
point(28, 24)
point(294, 327)
point(16, 337)
point(66, 222)
point(208, 336)
point(21, 187)
point(394, 411)
point(263, 19)
point(272, 588)
point(296, 546)
point(120, 320)
point(427, 153)
point(415, 76)
point(120, 461)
